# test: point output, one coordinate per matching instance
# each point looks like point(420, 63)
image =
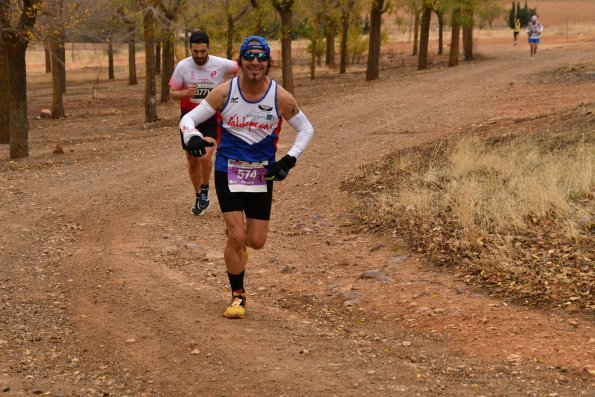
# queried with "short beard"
point(201, 63)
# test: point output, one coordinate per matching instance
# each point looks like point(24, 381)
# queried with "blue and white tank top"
point(248, 130)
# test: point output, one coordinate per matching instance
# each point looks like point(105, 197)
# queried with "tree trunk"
point(453, 59)
point(424, 38)
point(62, 49)
point(13, 85)
point(230, 28)
point(284, 8)
point(48, 61)
point(258, 20)
point(56, 47)
point(416, 32)
point(440, 32)
point(168, 65)
point(110, 58)
point(330, 43)
point(157, 58)
point(186, 44)
point(5, 107)
point(345, 18)
point(19, 125)
point(314, 48)
point(468, 36)
point(132, 58)
point(373, 67)
point(150, 87)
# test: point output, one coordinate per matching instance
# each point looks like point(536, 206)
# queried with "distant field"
point(556, 12)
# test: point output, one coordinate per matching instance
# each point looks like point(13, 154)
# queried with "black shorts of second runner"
point(516, 34)
point(208, 128)
point(254, 205)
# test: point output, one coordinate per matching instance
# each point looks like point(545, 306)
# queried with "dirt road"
point(109, 286)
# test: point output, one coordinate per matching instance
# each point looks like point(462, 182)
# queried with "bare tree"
point(424, 36)
point(110, 57)
point(57, 51)
point(258, 20)
point(468, 24)
point(439, 9)
point(232, 15)
point(285, 10)
point(169, 15)
point(150, 80)
point(331, 30)
point(132, 55)
point(16, 24)
point(346, 16)
point(373, 69)
point(453, 59)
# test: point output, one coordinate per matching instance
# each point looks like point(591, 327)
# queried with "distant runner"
point(517, 30)
point(193, 78)
point(251, 108)
point(534, 29)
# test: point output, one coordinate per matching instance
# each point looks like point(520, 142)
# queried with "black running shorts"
point(208, 128)
point(254, 205)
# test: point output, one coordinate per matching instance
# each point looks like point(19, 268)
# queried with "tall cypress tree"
point(511, 16)
point(525, 15)
point(518, 14)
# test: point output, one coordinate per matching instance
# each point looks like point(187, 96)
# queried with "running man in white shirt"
point(193, 78)
point(534, 29)
point(251, 108)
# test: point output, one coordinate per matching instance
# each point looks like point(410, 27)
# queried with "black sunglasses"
point(261, 56)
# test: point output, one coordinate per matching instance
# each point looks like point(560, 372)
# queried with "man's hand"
point(191, 90)
point(280, 170)
point(196, 146)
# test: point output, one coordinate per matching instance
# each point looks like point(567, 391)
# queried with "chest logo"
point(265, 108)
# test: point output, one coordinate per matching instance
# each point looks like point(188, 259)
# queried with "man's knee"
point(256, 242)
point(236, 237)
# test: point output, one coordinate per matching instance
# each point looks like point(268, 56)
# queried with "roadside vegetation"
point(512, 213)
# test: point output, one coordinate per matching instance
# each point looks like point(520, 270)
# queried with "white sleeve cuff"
point(196, 116)
point(305, 131)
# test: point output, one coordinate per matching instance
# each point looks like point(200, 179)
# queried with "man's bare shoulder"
point(287, 104)
point(218, 96)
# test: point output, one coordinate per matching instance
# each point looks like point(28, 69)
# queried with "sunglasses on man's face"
point(261, 56)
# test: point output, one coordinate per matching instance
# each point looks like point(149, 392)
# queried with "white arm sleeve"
point(198, 115)
point(305, 131)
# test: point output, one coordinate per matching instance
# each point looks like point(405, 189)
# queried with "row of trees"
point(53, 22)
point(522, 14)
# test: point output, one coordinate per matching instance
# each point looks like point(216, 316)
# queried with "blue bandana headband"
point(249, 44)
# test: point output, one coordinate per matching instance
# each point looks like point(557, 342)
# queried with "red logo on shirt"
point(213, 73)
point(234, 121)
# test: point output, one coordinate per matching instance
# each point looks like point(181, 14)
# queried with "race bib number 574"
point(244, 176)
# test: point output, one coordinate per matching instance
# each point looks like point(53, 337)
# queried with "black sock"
point(236, 281)
point(204, 187)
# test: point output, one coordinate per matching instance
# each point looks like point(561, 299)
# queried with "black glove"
point(196, 146)
point(279, 170)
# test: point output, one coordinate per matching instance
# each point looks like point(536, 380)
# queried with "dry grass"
point(514, 213)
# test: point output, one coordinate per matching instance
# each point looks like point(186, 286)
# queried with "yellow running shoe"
point(236, 308)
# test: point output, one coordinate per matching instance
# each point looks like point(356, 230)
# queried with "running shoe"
point(203, 202)
point(196, 210)
point(236, 308)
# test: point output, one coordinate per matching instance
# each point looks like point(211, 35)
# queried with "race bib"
point(244, 176)
point(202, 90)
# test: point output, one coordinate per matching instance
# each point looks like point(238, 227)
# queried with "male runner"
point(517, 30)
point(193, 78)
point(251, 108)
point(534, 29)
